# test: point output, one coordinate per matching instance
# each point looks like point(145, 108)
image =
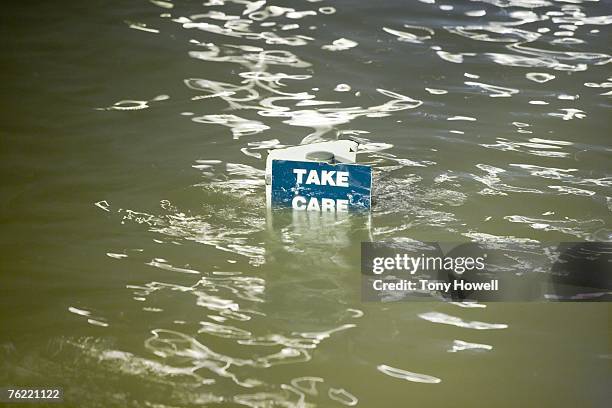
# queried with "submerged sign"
point(316, 186)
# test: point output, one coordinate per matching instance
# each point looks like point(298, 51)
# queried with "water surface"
point(141, 268)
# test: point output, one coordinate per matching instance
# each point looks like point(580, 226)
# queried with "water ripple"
point(408, 375)
point(443, 318)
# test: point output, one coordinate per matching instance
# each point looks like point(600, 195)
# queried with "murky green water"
point(140, 268)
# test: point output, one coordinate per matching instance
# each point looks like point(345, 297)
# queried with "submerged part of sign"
point(320, 186)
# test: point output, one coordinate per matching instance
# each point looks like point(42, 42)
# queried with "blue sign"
point(316, 186)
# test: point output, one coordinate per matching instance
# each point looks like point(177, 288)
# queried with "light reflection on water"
point(537, 36)
point(471, 114)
